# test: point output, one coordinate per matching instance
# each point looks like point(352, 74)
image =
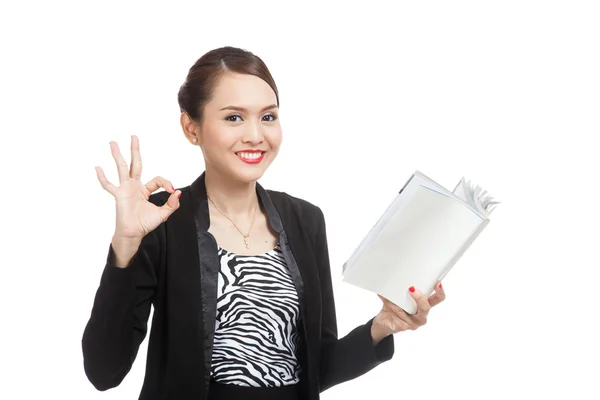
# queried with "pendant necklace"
point(245, 235)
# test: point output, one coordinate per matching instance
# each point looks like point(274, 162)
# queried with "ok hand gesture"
point(136, 216)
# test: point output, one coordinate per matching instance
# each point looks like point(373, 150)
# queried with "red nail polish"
point(412, 289)
point(173, 187)
point(179, 195)
point(440, 285)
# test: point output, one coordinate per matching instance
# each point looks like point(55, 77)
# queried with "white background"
point(504, 93)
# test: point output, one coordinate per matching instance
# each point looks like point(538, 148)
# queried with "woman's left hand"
point(393, 319)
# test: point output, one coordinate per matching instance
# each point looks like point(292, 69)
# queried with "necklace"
point(245, 235)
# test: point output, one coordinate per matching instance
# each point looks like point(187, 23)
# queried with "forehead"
point(244, 91)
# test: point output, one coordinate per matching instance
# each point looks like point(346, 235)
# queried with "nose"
point(253, 133)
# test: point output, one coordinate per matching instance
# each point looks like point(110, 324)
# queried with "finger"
point(160, 182)
point(135, 171)
point(438, 296)
point(393, 306)
point(398, 311)
point(121, 163)
point(423, 306)
point(170, 206)
point(109, 187)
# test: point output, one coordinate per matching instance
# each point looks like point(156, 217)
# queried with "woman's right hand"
point(136, 216)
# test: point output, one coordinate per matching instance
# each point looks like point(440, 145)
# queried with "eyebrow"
point(243, 109)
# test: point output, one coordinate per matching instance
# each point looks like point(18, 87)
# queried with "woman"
point(239, 276)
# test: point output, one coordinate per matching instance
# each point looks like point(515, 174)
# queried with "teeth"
point(250, 156)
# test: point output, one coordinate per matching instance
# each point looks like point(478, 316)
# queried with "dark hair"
point(203, 76)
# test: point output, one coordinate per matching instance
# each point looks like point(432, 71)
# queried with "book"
point(418, 239)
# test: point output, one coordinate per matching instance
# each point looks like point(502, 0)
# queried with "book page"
point(475, 196)
point(466, 198)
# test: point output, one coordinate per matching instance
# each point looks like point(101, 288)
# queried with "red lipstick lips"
point(251, 156)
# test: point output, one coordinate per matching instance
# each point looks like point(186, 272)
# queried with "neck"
point(233, 198)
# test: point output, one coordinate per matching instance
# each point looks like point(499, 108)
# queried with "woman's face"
point(240, 134)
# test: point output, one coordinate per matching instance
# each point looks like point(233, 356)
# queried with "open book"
point(418, 239)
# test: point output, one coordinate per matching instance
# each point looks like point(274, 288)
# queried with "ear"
point(190, 128)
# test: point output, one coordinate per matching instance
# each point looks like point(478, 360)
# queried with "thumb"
point(170, 206)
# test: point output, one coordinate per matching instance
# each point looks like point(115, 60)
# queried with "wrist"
point(378, 332)
point(124, 249)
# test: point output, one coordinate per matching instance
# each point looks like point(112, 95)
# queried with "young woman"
point(238, 276)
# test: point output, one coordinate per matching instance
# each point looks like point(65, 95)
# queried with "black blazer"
point(175, 270)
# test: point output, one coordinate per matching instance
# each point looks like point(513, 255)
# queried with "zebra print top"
point(256, 335)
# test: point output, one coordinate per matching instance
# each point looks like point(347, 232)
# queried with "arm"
point(356, 353)
point(118, 321)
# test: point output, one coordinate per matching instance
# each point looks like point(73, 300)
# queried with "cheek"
point(275, 138)
point(218, 140)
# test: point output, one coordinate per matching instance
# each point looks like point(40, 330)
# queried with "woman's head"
point(229, 103)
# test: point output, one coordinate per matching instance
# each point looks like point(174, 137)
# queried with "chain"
point(245, 235)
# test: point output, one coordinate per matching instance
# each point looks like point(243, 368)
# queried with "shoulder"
point(159, 198)
point(286, 200)
point(303, 210)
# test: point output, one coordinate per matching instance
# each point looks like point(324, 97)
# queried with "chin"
point(249, 175)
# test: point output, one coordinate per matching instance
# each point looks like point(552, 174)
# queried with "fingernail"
point(179, 195)
point(440, 285)
point(412, 289)
point(173, 187)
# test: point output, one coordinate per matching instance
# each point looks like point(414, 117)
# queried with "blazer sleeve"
point(354, 354)
point(118, 321)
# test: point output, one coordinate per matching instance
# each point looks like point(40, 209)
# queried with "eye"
point(232, 118)
point(272, 116)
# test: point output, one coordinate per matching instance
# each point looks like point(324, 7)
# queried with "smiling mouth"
point(251, 157)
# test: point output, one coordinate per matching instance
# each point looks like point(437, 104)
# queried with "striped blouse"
point(256, 336)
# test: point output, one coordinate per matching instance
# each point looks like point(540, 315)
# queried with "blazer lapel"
point(209, 269)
